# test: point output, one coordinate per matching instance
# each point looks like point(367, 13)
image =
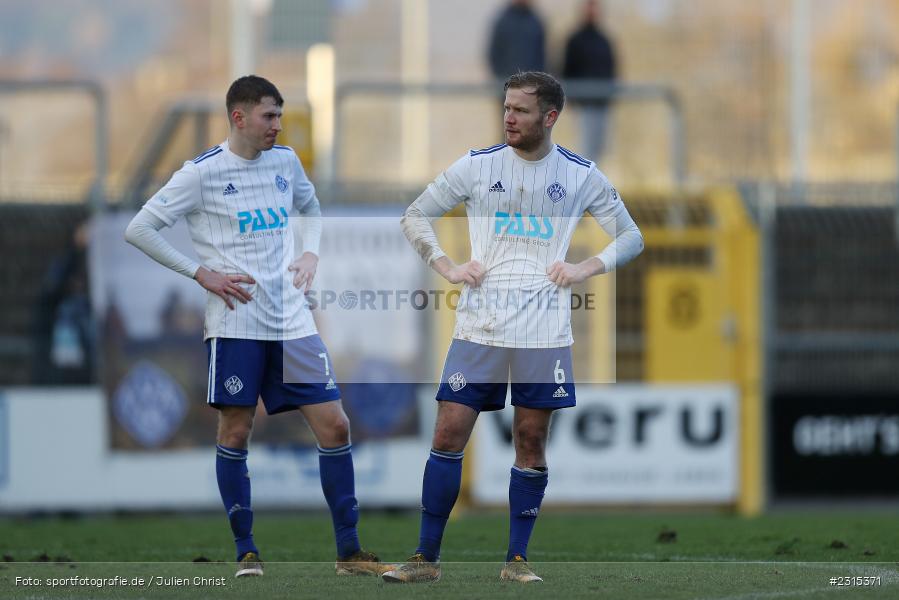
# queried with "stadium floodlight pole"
point(97, 194)
point(800, 95)
point(242, 39)
point(415, 115)
point(320, 61)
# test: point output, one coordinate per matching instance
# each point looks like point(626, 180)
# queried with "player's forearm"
point(628, 243)
point(143, 233)
point(310, 227)
point(442, 265)
point(418, 230)
point(593, 266)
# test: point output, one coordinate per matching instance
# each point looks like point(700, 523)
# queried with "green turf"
point(621, 556)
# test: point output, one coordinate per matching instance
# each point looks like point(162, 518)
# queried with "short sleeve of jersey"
point(602, 199)
point(178, 197)
point(303, 190)
point(453, 185)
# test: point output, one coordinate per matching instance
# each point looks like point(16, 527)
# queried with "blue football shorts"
point(286, 374)
point(478, 376)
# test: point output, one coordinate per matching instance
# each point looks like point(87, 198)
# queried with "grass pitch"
point(586, 555)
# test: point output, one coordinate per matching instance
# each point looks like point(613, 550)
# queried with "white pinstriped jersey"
point(237, 214)
point(522, 215)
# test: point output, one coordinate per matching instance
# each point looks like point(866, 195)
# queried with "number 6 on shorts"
point(559, 372)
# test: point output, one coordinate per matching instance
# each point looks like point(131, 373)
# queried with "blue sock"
point(526, 487)
point(440, 488)
point(234, 486)
point(335, 467)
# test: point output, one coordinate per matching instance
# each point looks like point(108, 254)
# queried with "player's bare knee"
point(530, 444)
point(453, 427)
point(235, 436)
point(235, 428)
point(332, 431)
point(448, 440)
point(340, 431)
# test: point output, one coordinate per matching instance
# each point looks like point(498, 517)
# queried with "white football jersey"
point(237, 213)
point(521, 216)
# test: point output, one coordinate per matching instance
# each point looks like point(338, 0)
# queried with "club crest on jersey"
point(258, 221)
point(281, 183)
point(233, 384)
point(456, 381)
point(556, 192)
point(514, 225)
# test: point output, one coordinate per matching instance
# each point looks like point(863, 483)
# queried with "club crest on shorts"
point(456, 381)
point(556, 192)
point(281, 183)
point(233, 384)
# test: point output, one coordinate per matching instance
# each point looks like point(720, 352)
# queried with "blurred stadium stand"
point(833, 287)
point(31, 236)
point(836, 298)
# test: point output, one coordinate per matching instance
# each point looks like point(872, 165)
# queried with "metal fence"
point(831, 306)
point(831, 285)
point(34, 241)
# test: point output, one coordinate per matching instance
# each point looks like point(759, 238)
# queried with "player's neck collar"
point(537, 161)
point(239, 158)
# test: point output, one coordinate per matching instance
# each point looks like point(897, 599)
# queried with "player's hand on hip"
point(225, 286)
point(471, 273)
point(565, 274)
point(303, 269)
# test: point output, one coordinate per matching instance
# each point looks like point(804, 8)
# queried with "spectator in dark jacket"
point(589, 54)
point(63, 322)
point(516, 41)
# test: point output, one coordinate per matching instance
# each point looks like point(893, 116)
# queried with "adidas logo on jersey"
point(560, 393)
point(229, 189)
point(497, 187)
point(331, 385)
